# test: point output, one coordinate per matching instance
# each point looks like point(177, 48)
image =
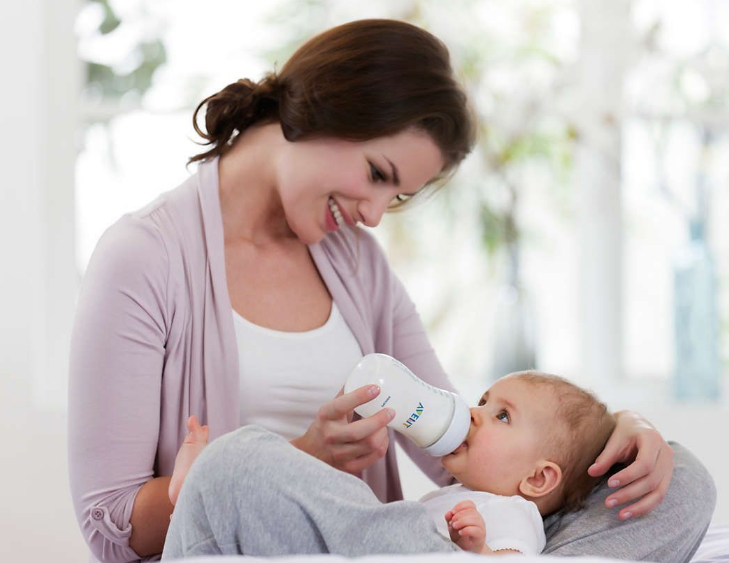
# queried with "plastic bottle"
point(435, 419)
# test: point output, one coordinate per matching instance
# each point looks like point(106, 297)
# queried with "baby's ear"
point(546, 477)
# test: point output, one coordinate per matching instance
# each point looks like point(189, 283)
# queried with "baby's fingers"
point(466, 518)
point(463, 505)
point(471, 533)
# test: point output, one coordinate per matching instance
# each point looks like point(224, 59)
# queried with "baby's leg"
point(671, 533)
point(195, 441)
point(251, 492)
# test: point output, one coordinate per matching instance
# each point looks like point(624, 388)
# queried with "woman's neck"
point(250, 202)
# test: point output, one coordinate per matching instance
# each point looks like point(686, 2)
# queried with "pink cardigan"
point(153, 342)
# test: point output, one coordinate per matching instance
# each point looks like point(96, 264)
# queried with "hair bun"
point(268, 87)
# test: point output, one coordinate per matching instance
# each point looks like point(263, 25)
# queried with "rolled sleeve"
point(106, 526)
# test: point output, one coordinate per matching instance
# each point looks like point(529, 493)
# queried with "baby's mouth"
point(462, 447)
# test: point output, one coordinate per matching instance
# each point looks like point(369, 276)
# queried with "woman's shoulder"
point(140, 240)
point(171, 213)
point(131, 248)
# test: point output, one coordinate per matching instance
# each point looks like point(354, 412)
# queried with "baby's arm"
point(468, 529)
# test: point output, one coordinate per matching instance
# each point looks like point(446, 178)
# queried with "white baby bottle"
point(435, 419)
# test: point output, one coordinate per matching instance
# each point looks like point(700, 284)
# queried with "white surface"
point(714, 549)
point(419, 558)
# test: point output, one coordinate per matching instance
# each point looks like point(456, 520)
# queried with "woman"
point(247, 294)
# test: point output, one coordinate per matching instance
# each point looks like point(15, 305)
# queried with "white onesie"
point(511, 522)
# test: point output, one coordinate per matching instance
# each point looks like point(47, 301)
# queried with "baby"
point(532, 438)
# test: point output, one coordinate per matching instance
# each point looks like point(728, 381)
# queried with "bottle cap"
point(456, 432)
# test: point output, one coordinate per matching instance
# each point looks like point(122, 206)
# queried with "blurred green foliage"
point(107, 81)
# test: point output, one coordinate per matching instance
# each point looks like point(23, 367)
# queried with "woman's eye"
point(376, 175)
point(503, 416)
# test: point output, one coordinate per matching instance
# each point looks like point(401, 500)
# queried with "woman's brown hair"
point(358, 81)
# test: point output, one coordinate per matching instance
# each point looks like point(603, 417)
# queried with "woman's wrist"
point(303, 443)
point(298, 443)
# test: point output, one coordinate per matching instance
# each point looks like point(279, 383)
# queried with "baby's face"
point(505, 441)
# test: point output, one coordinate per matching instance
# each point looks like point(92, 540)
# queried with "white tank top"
point(286, 376)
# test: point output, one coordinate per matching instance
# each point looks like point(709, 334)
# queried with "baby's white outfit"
point(511, 522)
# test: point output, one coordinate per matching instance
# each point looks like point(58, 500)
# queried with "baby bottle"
point(435, 419)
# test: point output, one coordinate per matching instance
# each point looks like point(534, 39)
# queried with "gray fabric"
point(669, 534)
point(252, 493)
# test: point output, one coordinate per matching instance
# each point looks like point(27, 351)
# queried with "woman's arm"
point(151, 517)
point(115, 377)
point(671, 533)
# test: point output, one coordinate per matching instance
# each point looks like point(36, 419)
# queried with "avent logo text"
point(415, 416)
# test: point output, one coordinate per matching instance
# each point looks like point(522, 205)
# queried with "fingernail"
point(390, 414)
point(626, 515)
point(372, 391)
point(612, 502)
point(613, 483)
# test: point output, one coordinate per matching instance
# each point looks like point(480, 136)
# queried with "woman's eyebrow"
point(395, 177)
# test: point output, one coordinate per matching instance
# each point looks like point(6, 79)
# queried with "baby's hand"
point(467, 527)
point(194, 443)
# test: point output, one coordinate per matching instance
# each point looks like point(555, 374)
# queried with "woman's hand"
point(647, 477)
point(349, 446)
point(194, 443)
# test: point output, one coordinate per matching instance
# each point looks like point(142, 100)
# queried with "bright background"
point(592, 116)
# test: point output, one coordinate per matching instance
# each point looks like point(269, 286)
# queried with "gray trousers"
point(250, 492)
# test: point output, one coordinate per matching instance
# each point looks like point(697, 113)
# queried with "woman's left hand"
point(635, 440)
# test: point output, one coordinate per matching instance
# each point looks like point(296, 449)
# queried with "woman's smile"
point(332, 216)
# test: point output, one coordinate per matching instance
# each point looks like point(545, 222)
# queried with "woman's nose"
point(372, 209)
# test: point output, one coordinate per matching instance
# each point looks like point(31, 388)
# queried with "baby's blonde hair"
point(585, 429)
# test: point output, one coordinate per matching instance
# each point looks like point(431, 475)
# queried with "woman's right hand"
point(346, 445)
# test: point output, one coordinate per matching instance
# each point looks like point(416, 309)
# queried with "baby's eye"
point(503, 416)
point(376, 175)
point(402, 198)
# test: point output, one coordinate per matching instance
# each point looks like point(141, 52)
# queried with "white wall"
point(41, 77)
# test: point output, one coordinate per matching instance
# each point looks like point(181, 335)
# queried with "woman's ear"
point(546, 477)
